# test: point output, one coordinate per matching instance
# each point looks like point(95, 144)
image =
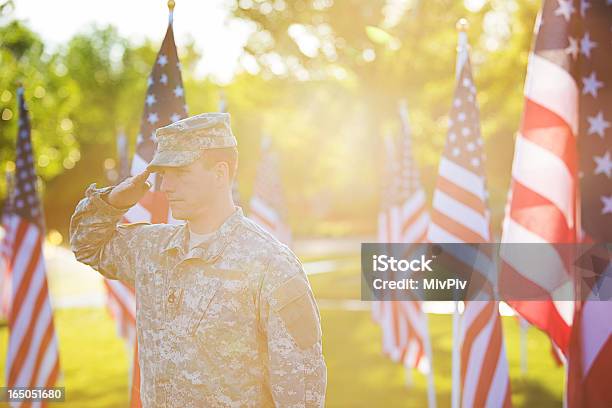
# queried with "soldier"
point(226, 316)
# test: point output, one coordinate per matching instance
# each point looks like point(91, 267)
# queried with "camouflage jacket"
point(231, 324)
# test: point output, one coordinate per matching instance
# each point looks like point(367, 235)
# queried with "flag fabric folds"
point(268, 207)
point(403, 219)
point(543, 196)
point(590, 349)
point(460, 214)
point(33, 355)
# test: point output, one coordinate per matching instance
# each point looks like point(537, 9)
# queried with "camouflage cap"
point(181, 143)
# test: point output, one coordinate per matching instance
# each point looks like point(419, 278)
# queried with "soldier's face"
point(191, 189)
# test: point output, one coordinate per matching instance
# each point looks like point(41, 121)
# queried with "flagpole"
point(462, 27)
point(523, 330)
point(171, 4)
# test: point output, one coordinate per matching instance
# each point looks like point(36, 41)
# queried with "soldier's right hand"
point(129, 191)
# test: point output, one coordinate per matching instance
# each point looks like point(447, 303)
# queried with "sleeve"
point(292, 325)
point(97, 239)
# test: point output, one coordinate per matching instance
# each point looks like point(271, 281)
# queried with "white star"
point(465, 131)
point(584, 6)
point(607, 203)
point(604, 164)
point(178, 91)
point(586, 45)
point(466, 82)
point(461, 117)
point(471, 147)
point(565, 9)
point(151, 99)
point(163, 79)
point(590, 85)
point(149, 81)
point(572, 49)
point(153, 118)
point(597, 124)
point(178, 65)
point(457, 102)
point(162, 60)
point(456, 151)
point(175, 117)
point(185, 108)
point(452, 137)
point(475, 161)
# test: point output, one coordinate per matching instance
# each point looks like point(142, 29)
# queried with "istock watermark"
point(441, 271)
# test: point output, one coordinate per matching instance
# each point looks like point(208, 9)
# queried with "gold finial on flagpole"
point(171, 4)
point(462, 25)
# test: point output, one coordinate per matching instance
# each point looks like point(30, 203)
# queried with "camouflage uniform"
point(231, 322)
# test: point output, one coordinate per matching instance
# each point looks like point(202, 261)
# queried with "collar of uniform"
point(218, 241)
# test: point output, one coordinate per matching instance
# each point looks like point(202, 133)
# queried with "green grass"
point(93, 359)
point(360, 376)
point(94, 363)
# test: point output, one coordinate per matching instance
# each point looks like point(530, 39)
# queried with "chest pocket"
point(200, 300)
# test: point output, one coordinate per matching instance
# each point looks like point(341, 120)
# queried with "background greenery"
point(326, 97)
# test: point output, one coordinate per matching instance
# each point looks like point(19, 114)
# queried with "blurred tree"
point(322, 77)
point(381, 51)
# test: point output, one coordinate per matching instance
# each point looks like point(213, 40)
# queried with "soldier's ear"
point(221, 172)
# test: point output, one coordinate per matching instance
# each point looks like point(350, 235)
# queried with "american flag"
point(268, 207)
point(404, 219)
point(460, 214)
point(33, 357)
point(5, 249)
point(164, 104)
point(543, 198)
point(387, 227)
point(590, 353)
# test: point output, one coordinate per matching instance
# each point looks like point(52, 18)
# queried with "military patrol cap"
point(182, 142)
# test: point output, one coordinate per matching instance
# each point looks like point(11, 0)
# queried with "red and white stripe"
point(267, 205)
point(5, 275)
point(33, 357)
point(121, 303)
point(266, 216)
point(460, 214)
point(542, 211)
point(402, 220)
point(591, 352)
point(403, 323)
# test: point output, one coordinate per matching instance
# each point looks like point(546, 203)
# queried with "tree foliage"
point(322, 77)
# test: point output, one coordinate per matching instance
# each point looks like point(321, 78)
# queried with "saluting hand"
point(129, 191)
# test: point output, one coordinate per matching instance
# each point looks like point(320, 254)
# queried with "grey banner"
point(508, 272)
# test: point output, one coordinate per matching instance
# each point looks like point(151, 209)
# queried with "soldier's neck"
point(211, 220)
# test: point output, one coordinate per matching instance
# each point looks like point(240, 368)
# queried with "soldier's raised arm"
point(96, 237)
point(292, 325)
